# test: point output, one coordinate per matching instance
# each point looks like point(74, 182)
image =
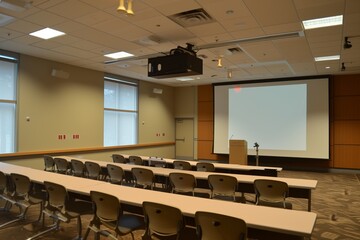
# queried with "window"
point(8, 78)
point(120, 111)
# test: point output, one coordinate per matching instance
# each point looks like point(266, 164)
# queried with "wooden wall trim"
point(8, 156)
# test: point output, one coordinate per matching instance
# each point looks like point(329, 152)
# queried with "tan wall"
point(75, 106)
point(156, 114)
point(186, 106)
point(58, 106)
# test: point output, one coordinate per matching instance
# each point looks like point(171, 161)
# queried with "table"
point(283, 221)
point(220, 167)
point(298, 188)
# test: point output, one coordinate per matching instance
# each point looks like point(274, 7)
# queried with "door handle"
point(180, 139)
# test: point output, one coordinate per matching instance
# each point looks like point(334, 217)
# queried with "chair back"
point(205, 167)
point(62, 165)
point(270, 191)
point(107, 207)
point(77, 167)
point(3, 182)
point(212, 226)
point(49, 163)
point(222, 185)
point(182, 182)
point(57, 195)
point(135, 160)
point(117, 158)
point(115, 173)
point(22, 185)
point(143, 176)
point(162, 220)
point(93, 170)
point(183, 165)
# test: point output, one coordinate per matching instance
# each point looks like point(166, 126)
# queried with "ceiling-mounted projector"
point(180, 62)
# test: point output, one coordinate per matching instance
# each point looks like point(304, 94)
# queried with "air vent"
point(192, 18)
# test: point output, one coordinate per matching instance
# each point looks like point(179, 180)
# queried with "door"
point(184, 137)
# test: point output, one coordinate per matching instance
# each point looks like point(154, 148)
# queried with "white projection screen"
point(287, 118)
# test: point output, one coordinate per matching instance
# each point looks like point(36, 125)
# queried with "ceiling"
point(94, 28)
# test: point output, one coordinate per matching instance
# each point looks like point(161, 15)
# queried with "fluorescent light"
point(327, 58)
point(323, 22)
point(47, 33)
point(7, 57)
point(118, 55)
point(183, 79)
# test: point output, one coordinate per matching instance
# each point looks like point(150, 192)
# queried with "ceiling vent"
point(234, 50)
point(192, 18)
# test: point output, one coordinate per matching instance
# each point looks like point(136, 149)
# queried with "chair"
point(109, 214)
point(77, 168)
point(222, 185)
point(23, 197)
point(143, 177)
point(61, 209)
point(5, 195)
point(213, 226)
point(93, 170)
point(271, 193)
point(183, 165)
point(205, 167)
point(162, 221)
point(115, 173)
point(182, 182)
point(49, 163)
point(117, 158)
point(135, 160)
point(62, 165)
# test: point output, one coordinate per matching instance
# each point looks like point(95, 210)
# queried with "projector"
point(175, 65)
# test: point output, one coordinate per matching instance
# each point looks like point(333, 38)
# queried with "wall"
point(58, 106)
point(186, 106)
point(346, 121)
point(344, 128)
point(74, 105)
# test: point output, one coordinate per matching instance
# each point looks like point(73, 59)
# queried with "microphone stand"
point(256, 146)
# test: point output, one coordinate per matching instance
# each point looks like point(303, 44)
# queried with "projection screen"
point(286, 118)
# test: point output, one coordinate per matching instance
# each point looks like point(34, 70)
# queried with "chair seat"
point(129, 222)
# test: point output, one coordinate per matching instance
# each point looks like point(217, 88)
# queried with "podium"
point(238, 152)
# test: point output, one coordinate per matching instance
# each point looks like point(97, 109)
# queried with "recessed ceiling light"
point(327, 58)
point(327, 67)
point(47, 33)
point(323, 22)
point(118, 55)
point(185, 79)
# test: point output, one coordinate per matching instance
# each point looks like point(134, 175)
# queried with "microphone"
point(256, 145)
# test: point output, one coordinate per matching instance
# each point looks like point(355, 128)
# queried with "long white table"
point(299, 188)
point(220, 167)
point(284, 221)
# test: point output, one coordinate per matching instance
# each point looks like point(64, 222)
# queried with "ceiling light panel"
point(323, 22)
point(47, 33)
point(118, 55)
point(327, 58)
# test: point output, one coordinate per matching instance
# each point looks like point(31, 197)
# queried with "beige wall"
point(75, 106)
point(58, 106)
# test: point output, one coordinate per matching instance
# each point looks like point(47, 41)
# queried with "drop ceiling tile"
point(47, 44)
point(308, 9)
point(24, 26)
point(294, 49)
point(9, 33)
point(75, 52)
point(168, 8)
point(262, 51)
point(209, 29)
point(45, 18)
point(94, 18)
point(272, 13)
point(26, 39)
point(72, 9)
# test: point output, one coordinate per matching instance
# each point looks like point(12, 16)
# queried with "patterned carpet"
point(336, 200)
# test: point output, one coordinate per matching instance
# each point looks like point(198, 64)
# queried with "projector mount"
point(192, 49)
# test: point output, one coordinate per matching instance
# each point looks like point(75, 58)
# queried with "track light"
point(229, 74)
point(347, 43)
point(122, 8)
point(219, 64)
point(129, 9)
point(343, 68)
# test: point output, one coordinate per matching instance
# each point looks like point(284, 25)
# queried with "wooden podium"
point(238, 152)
